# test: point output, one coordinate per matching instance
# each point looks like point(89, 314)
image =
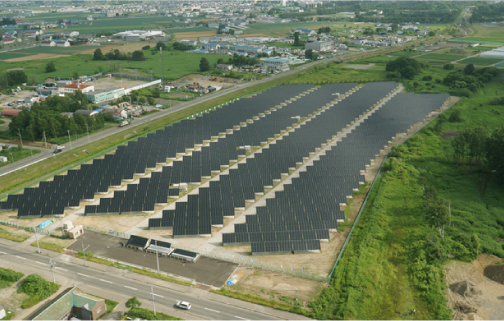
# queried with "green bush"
point(37, 288)
point(146, 314)
point(8, 276)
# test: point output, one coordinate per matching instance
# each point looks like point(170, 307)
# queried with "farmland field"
point(496, 40)
point(433, 56)
point(45, 50)
point(282, 29)
point(482, 61)
point(176, 65)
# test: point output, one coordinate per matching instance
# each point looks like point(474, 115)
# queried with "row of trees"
point(46, 117)
point(12, 78)
point(7, 21)
point(477, 146)
point(137, 55)
point(469, 80)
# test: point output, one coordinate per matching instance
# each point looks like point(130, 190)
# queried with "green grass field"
point(484, 39)
point(440, 57)
point(482, 61)
point(45, 50)
point(176, 64)
point(277, 29)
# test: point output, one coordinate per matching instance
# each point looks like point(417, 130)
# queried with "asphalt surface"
point(205, 270)
point(118, 284)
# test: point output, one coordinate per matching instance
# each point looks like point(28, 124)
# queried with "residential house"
point(62, 43)
point(73, 303)
point(224, 66)
point(7, 41)
point(212, 46)
point(47, 43)
point(70, 33)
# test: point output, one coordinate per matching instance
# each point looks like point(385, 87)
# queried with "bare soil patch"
point(195, 35)
point(368, 66)
point(35, 57)
point(26, 222)
point(273, 285)
point(205, 80)
point(11, 300)
point(472, 294)
point(119, 223)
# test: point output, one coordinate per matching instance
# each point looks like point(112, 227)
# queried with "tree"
point(146, 47)
point(449, 66)
point(98, 55)
point(50, 67)
point(75, 75)
point(204, 65)
point(161, 45)
point(142, 100)
point(469, 69)
point(431, 33)
point(495, 154)
point(297, 42)
point(156, 93)
point(138, 56)
point(151, 100)
point(133, 303)
point(407, 67)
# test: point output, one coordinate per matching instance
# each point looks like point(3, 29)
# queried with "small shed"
point(137, 242)
point(185, 255)
point(3, 313)
point(3, 159)
point(75, 231)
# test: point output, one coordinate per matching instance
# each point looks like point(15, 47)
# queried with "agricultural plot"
point(481, 61)
point(281, 29)
point(491, 40)
point(440, 57)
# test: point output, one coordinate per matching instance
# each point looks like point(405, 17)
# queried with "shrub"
point(427, 78)
point(37, 288)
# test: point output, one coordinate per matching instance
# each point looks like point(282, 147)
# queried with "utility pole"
point(36, 237)
point(84, 251)
point(45, 140)
point(53, 264)
point(69, 139)
point(162, 72)
point(87, 129)
point(21, 139)
point(153, 303)
point(157, 256)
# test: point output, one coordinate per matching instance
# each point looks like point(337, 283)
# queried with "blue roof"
point(246, 47)
point(304, 29)
point(214, 39)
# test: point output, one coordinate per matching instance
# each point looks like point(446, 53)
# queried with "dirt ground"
point(11, 300)
point(272, 285)
point(195, 35)
point(368, 66)
point(204, 80)
point(119, 223)
point(108, 82)
point(16, 231)
point(26, 222)
point(471, 294)
point(35, 57)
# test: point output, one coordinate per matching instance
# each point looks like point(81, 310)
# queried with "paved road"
point(205, 305)
point(77, 144)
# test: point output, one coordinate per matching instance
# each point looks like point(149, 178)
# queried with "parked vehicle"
point(124, 123)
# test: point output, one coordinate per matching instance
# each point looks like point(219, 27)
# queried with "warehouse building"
point(319, 46)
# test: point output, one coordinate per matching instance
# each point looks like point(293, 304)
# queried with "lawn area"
point(147, 314)
point(481, 61)
point(393, 263)
point(402, 53)
point(12, 236)
point(8, 277)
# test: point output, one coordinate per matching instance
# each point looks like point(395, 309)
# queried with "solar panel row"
point(322, 180)
point(242, 183)
point(137, 156)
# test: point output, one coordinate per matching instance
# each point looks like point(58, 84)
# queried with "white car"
point(183, 305)
point(159, 106)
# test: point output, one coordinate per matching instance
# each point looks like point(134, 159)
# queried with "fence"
point(29, 229)
point(130, 77)
point(109, 232)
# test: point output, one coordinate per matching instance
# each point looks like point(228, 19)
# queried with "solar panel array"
point(221, 198)
point(326, 182)
point(191, 169)
point(68, 190)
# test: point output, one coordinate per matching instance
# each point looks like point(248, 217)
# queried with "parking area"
point(206, 270)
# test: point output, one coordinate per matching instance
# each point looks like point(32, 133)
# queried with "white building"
point(138, 35)
point(62, 43)
point(74, 87)
point(47, 43)
point(494, 53)
point(319, 46)
point(274, 64)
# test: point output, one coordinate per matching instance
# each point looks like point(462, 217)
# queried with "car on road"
point(183, 305)
point(10, 104)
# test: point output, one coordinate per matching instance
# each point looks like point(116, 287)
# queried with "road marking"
point(154, 294)
point(2, 252)
point(212, 310)
point(62, 269)
point(240, 317)
point(84, 275)
point(12, 171)
point(105, 281)
point(20, 257)
point(129, 287)
point(41, 263)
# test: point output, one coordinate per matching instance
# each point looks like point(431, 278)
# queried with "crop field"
point(442, 57)
point(495, 40)
point(481, 61)
point(196, 29)
point(45, 50)
point(402, 53)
